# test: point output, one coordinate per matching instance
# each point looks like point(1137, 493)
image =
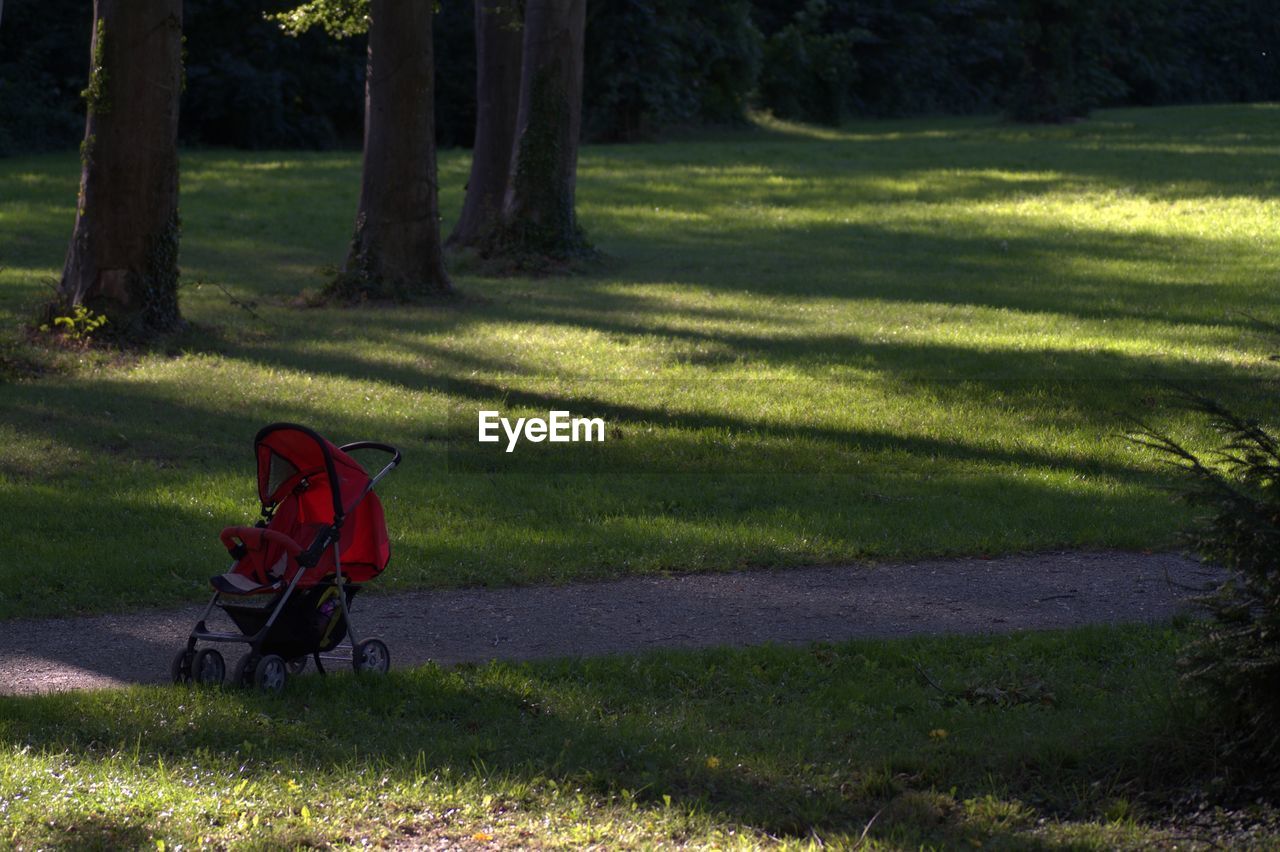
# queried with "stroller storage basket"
point(311, 621)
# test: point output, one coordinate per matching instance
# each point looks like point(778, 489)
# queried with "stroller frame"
point(250, 670)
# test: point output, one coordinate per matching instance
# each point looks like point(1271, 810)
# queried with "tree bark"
point(498, 50)
point(396, 251)
point(123, 257)
point(539, 208)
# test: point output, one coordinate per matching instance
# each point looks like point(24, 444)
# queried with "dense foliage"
point(651, 63)
point(654, 63)
point(1236, 658)
point(44, 65)
point(1041, 60)
point(250, 87)
point(247, 85)
point(835, 58)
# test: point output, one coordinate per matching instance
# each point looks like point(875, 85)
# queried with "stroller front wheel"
point(270, 674)
point(371, 655)
point(180, 668)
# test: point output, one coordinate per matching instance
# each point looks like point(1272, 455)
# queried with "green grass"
point(721, 748)
point(893, 339)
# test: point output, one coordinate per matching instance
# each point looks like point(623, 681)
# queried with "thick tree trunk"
point(539, 208)
point(123, 257)
point(498, 49)
point(396, 251)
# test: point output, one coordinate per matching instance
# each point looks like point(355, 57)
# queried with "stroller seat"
point(267, 557)
point(232, 583)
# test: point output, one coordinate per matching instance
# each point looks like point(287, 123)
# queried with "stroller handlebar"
point(373, 481)
point(374, 445)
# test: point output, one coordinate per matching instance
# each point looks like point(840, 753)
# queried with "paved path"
point(923, 597)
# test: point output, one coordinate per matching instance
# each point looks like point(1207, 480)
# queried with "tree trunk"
point(539, 209)
point(396, 251)
point(498, 43)
point(123, 257)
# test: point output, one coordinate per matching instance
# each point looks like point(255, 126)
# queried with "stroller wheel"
point(371, 655)
point(209, 668)
point(180, 668)
point(297, 665)
point(245, 669)
point(270, 674)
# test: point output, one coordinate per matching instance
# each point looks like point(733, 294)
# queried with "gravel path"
point(924, 597)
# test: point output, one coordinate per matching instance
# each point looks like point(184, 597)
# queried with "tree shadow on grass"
point(1045, 388)
point(1090, 274)
point(157, 426)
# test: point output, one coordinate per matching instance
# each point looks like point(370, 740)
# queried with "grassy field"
point(1034, 742)
point(893, 339)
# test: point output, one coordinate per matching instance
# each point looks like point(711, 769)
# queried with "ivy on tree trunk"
point(539, 212)
point(123, 256)
point(396, 251)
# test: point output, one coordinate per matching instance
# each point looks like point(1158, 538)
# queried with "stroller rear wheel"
point(208, 668)
point(180, 668)
point(371, 655)
point(245, 669)
point(270, 674)
point(297, 665)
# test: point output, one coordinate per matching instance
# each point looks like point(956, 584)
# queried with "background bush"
point(1039, 60)
point(248, 86)
point(1235, 659)
point(44, 63)
point(651, 64)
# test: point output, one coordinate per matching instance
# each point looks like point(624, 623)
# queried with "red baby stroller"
point(289, 592)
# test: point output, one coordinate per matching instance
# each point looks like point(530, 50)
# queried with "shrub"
point(1050, 85)
point(886, 57)
point(77, 327)
point(250, 86)
point(44, 64)
point(453, 43)
point(810, 67)
point(1235, 659)
point(632, 76)
point(650, 64)
point(1039, 60)
point(722, 49)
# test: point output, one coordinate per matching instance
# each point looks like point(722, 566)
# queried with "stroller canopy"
point(309, 482)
